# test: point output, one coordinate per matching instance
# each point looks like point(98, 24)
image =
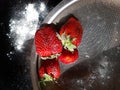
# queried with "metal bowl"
point(99, 53)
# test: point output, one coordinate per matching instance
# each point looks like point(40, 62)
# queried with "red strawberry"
point(47, 43)
point(71, 34)
point(68, 57)
point(49, 69)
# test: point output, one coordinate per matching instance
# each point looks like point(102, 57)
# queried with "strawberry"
point(47, 43)
point(71, 34)
point(68, 57)
point(49, 69)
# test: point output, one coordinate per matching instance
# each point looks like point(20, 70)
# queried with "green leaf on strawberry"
point(67, 42)
point(46, 78)
point(51, 56)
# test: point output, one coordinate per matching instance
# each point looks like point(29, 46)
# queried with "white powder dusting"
point(102, 72)
point(24, 27)
point(9, 55)
point(87, 56)
point(116, 39)
point(42, 7)
point(104, 68)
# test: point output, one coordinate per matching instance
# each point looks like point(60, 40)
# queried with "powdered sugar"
point(102, 73)
point(24, 24)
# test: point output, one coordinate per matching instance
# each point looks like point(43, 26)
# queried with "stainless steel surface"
point(99, 53)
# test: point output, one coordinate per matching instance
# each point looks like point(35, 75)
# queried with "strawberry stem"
point(67, 42)
point(46, 78)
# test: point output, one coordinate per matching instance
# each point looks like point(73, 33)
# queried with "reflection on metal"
point(60, 10)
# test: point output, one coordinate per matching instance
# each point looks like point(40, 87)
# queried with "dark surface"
point(14, 68)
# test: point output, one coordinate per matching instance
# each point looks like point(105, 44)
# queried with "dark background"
point(14, 73)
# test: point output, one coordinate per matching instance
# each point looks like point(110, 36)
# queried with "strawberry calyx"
point(67, 41)
point(47, 78)
point(51, 56)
